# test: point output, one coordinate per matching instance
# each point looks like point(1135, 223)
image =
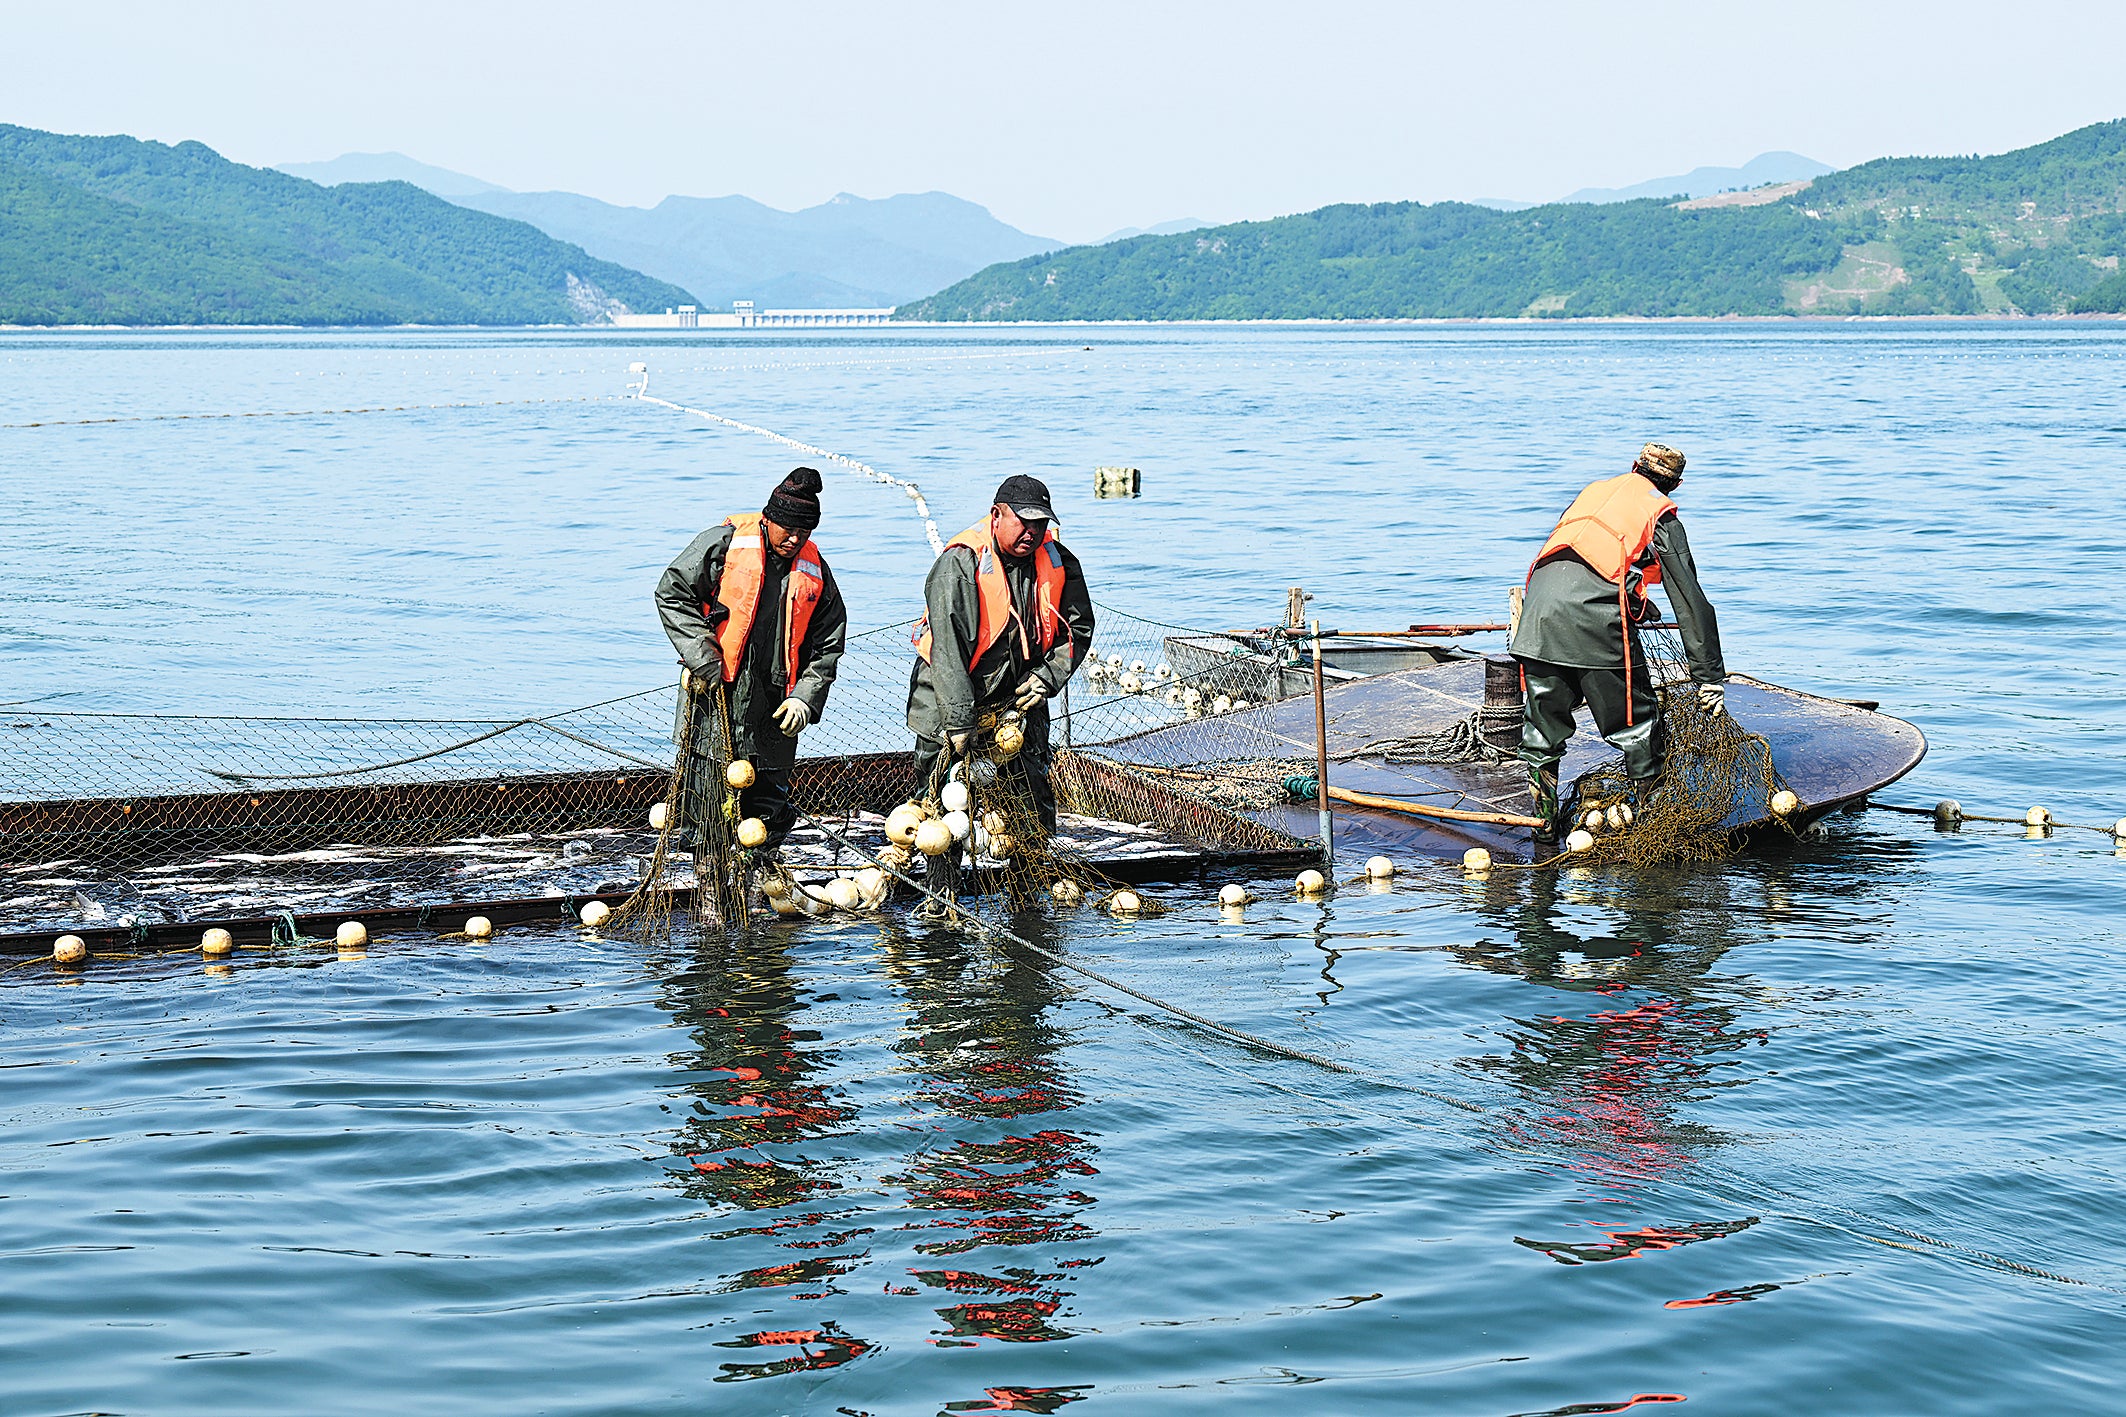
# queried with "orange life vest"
point(995, 592)
point(1609, 526)
point(738, 591)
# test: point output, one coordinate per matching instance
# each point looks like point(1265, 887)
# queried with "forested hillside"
point(2037, 231)
point(119, 231)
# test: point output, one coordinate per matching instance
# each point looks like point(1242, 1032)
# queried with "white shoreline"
point(1323, 322)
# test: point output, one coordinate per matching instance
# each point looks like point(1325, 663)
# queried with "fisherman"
point(1577, 636)
point(776, 664)
point(1007, 620)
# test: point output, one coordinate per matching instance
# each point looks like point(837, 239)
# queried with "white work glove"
point(1031, 693)
point(794, 716)
point(958, 741)
point(1713, 698)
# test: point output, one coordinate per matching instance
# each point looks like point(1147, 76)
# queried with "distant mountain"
point(387, 167)
point(849, 251)
point(1759, 171)
point(119, 231)
point(1164, 228)
point(2039, 230)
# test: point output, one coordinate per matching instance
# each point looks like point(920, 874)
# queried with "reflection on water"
point(759, 1095)
point(980, 1043)
point(1612, 1082)
point(976, 1070)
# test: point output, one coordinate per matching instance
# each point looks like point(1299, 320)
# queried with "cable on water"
point(1705, 1172)
point(1226, 1031)
point(640, 391)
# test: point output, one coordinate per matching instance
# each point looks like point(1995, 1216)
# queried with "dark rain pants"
point(702, 792)
point(1556, 690)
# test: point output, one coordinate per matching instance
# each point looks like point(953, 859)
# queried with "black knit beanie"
point(795, 504)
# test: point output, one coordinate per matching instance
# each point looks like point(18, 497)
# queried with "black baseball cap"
point(1027, 497)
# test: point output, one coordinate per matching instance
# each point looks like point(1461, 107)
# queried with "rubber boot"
point(1543, 786)
point(1645, 794)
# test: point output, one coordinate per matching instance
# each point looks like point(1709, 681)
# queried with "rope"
point(914, 493)
point(1732, 1179)
point(301, 412)
point(495, 732)
point(1963, 816)
point(1211, 1025)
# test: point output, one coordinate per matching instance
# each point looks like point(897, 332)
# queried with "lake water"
point(855, 1169)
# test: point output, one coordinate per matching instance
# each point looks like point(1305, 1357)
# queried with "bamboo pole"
point(1419, 809)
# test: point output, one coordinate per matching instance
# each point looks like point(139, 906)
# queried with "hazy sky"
point(1070, 119)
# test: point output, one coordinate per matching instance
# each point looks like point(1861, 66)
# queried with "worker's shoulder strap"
point(745, 531)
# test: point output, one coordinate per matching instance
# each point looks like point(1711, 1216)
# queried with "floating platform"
point(132, 874)
point(153, 870)
point(1831, 752)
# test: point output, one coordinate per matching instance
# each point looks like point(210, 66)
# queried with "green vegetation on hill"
point(118, 231)
point(2037, 231)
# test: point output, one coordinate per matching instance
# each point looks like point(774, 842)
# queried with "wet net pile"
point(1718, 776)
point(127, 820)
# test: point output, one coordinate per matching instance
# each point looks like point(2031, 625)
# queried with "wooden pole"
point(1321, 760)
point(1420, 809)
point(1438, 632)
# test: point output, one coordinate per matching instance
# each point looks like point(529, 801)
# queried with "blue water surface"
point(1836, 1129)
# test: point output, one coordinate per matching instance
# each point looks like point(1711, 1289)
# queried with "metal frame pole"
point(1321, 759)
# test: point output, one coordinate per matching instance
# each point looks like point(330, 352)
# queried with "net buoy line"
point(640, 392)
point(1950, 812)
point(510, 403)
point(305, 412)
point(1710, 1177)
point(768, 366)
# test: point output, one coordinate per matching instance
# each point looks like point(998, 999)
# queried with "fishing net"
point(137, 821)
point(1719, 777)
point(1174, 751)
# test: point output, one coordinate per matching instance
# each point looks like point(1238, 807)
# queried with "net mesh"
point(130, 819)
point(1164, 756)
